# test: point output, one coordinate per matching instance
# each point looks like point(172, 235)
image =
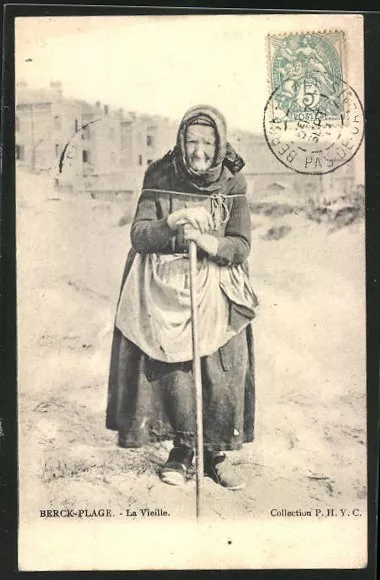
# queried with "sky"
point(165, 64)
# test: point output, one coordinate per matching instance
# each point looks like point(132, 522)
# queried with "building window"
point(113, 157)
point(106, 109)
point(20, 152)
point(86, 133)
point(56, 150)
point(140, 160)
point(76, 125)
point(57, 122)
point(149, 140)
point(112, 133)
point(86, 156)
point(17, 124)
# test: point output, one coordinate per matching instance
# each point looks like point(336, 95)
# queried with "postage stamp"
point(313, 120)
point(306, 71)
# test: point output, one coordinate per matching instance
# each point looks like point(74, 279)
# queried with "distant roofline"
point(54, 93)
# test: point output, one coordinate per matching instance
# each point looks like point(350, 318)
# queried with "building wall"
point(161, 137)
point(127, 153)
point(43, 131)
point(265, 174)
point(34, 139)
point(139, 147)
point(66, 121)
point(109, 150)
point(144, 140)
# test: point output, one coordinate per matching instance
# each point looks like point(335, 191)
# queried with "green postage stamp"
point(313, 119)
point(307, 71)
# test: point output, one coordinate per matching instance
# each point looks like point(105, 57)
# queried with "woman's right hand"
point(198, 217)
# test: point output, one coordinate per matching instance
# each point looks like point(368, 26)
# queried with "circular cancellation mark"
point(309, 137)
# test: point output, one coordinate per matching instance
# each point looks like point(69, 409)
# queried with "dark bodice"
point(151, 233)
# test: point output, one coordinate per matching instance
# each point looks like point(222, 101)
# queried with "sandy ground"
point(309, 450)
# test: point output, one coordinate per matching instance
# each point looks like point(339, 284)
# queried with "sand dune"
point(310, 347)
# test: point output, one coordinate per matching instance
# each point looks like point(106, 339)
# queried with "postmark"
point(313, 120)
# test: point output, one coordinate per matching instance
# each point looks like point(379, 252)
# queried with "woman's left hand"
point(190, 233)
point(206, 242)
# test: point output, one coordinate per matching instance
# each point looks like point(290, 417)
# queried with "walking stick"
point(197, 378)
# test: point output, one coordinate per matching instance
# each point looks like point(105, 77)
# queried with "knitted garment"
point(164, 192)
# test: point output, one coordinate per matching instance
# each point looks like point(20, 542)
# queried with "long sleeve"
point(149, 233)
point(235, 246)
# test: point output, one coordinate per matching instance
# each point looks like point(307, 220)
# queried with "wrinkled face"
point(200, 146)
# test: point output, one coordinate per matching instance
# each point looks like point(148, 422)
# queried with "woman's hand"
point(206, 242)
point(191, 234)
point(198, 217)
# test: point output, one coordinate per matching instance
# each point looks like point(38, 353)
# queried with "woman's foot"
point(221, 470)
point(175, 469)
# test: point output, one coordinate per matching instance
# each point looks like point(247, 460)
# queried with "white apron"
point(154, 310)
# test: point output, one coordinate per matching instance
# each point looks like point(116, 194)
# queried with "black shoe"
point(175, 469)
point(219, 468)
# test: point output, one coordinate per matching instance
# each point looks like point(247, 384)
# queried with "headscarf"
point(226, 161)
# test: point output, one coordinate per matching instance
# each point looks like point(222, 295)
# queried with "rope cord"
point(219, 209)
point(193, 194)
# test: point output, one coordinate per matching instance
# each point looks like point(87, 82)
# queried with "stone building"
point(144, 138)
point(46, 125)
point(84, 146)
point(268, 177)
point(100, 135)
point(105, 151)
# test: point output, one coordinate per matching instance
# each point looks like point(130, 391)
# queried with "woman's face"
point(200, 142)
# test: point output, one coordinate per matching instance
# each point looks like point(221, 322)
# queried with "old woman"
point(195, 192)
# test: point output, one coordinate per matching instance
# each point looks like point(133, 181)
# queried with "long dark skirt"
point(149, 400)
